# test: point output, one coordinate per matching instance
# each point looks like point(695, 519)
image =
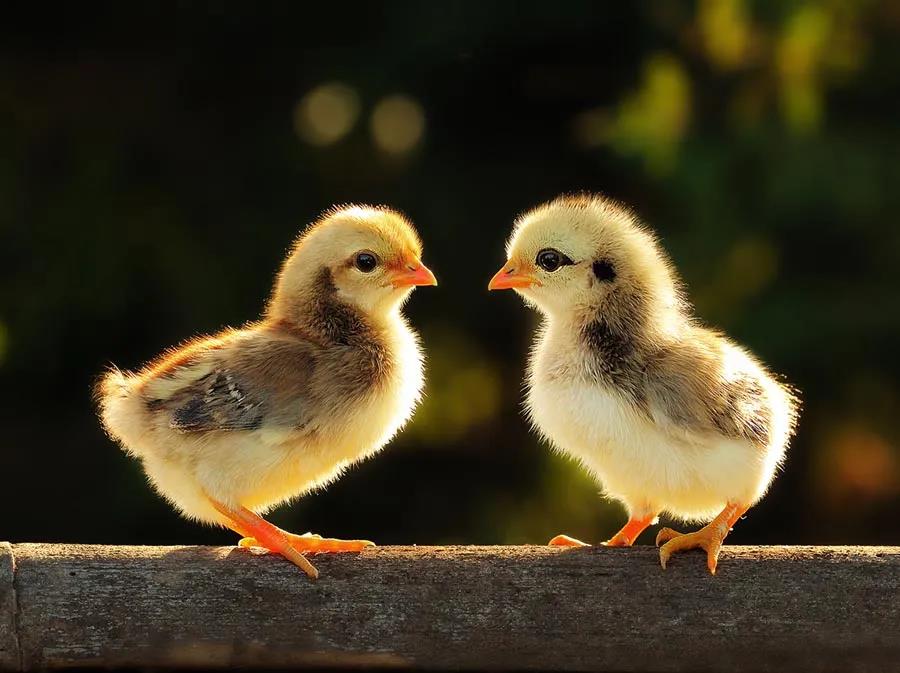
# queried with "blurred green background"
point(156, 164)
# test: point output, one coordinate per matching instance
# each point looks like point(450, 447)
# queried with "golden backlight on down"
point(668, 416)
point(229, 426)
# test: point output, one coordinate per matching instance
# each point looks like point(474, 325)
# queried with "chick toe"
point(709, 541)
point(566, 541)
point(666, 534)
point(310, 543)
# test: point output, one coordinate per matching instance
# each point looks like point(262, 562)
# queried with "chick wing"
point(251, 380)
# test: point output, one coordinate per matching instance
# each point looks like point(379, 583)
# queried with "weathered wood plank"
point(476, 608)
point(9, 644)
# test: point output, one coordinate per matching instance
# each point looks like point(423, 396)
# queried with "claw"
point(709, 538)
point(709, 541)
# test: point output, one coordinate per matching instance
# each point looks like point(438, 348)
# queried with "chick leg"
point(244, 522)
point(708, 538)
point(624, 538)
point(630, 531)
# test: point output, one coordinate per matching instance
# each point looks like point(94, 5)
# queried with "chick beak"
point(412, 275)
point(507, 278)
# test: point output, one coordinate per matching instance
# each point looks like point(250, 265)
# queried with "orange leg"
point(258, 532)
point(624, 538)
point(709, 538)
point(244, 522)
point(631, 530)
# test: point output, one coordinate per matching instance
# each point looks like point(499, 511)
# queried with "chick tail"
point(111, 383)
point(117, 404)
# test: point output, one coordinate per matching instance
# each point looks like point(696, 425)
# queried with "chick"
point(229, 426)
point(670, 417)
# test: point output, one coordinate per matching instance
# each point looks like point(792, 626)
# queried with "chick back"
point(256, 416)
point(705, 384)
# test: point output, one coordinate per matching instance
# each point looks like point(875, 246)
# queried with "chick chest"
point(581, 417)
point(375, 391)
point(591, 420)
point(357, 414)
point(634, 459)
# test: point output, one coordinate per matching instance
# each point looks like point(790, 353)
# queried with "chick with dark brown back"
point(229, 426)
point(668, 416)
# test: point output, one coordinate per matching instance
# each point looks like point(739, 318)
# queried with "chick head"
point(370, 255)
point(578, 255)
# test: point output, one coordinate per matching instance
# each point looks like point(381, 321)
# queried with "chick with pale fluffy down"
point(229, 426)
point(670, 417)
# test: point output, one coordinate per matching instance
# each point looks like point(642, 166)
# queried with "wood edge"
point(10, 652)
point(34, 560)
point(35, 550)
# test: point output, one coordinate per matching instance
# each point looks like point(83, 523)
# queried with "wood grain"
point(474, 608)
point(9, 645)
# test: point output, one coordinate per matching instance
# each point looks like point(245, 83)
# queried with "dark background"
point(156, 164)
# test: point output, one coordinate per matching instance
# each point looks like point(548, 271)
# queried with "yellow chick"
point(229, 426)
point(667, 415)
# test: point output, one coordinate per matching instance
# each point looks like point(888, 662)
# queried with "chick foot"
point(310, 543)
point(709, 538)
point(624, 538)
point(706, 539)
point(244, 522)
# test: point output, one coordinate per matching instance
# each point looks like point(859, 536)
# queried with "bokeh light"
point(858, 468)
point(743, 271)
point(327, 113)
point(726, 32)
point(397, 124)
point(4, 341)
point(463, 387)
point(799, 56)
point(649, 122)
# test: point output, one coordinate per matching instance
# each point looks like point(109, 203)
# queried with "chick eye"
point(366, 261)
point(550, 260)
point(604, 270)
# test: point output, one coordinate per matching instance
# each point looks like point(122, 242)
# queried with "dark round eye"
point(550, 260)
point(604, 270)
point(366, 261)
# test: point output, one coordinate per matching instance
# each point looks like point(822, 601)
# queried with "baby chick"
point(229, 426)
point(667, 415)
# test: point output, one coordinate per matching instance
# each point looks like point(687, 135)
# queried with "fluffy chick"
point(231, 425)
point(667, 415)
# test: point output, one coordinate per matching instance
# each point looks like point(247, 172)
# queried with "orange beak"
point(507, 278)
point(412, 275)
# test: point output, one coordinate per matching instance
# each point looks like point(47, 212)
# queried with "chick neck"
point(320, 312)
point(626, 322)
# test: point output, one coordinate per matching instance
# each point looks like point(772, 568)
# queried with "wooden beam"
point(475, 608)
point(9, 642)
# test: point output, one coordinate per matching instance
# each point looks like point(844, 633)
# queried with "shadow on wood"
point(476, 608)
